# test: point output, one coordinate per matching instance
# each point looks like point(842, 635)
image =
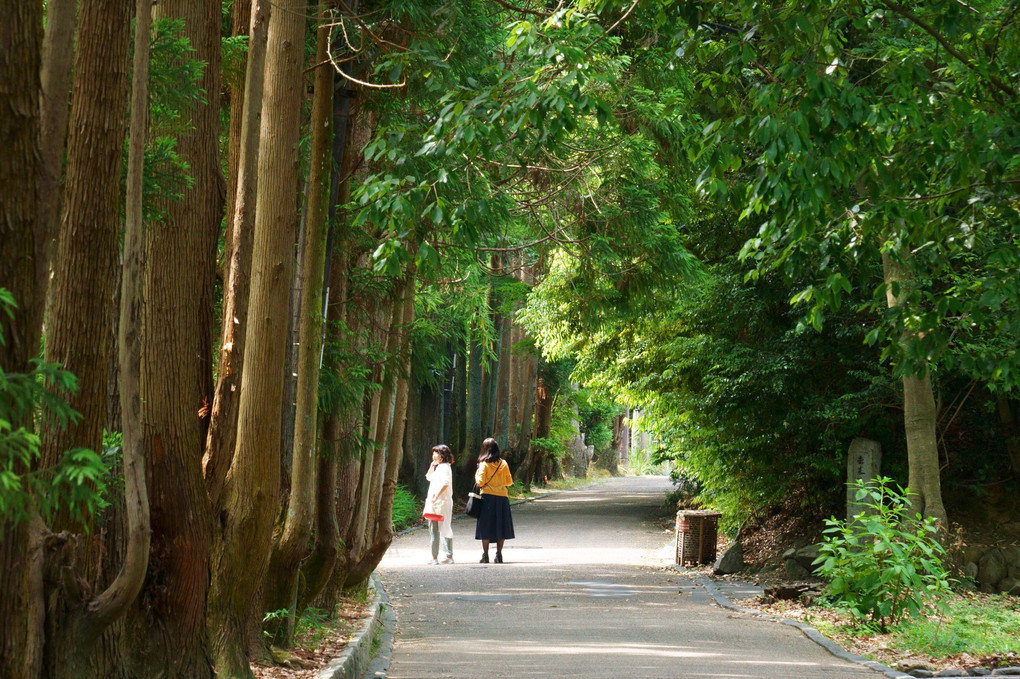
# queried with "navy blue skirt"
point(495, 522)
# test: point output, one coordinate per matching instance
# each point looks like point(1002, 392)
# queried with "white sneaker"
point(447, 560)
point(433, 562)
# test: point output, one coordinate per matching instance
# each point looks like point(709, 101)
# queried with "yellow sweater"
point(500, 478)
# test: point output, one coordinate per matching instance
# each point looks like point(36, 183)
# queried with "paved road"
point(586, 591)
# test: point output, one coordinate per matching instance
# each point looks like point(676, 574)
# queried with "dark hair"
point(445, 454)
point(490, 451)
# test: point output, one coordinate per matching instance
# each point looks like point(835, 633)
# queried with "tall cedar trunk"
point(293, 545)
point(338, 481)
point(20, 32)
point(448, 430)
point(57, 55)
point(404, 319)
point(490, 381)
point(372, 456)
point(516, 383)
point(473, 436)
point(384, 418)
point(77, 325)
point(502, 425)
point(166, 630)
point(528, 409)
point(291, 359)
point(113, 602)
point(460, 393)
point(240, 24)
point(531, 470)
point(919, 416)
point(611, 460)
point(1009, 418)
point(319, 567)
point(250, 496)
point(21, 604)
point(219, 445)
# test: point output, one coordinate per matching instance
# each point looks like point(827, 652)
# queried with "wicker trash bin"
point(696, 534)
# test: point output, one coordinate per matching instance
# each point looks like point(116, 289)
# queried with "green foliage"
point(174, 75)
point(844, 132)
point(970, 623)
point(596, 420)
point(881, 564)
point(550, 447)
point(406, 508)
point(77, 483)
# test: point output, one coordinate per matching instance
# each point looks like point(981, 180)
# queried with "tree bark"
point(250, 496)
point(501, 428)
point(20, 32)
point(166, 631)
point(460, 392)
point(57, 58)
point(919, 415)
point(240, 24)
point(77, 325)
point(113, 602)
point(523, 446)
point(219, 445)
point(473, 436)
point(383, 529)
point(293, 545)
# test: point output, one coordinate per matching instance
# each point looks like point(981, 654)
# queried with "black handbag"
point(473, 508)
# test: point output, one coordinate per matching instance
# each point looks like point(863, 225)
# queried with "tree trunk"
point(293, 545)
point(166, 631)
point(57, 58)
point(473, 435)
point(528, 410)
point(919, 416)
point(531, 471)
point(383, 529)
point(20, 31)
point(219, 445)
point(460, 393)
point(113, 602)
point(77, 325)
point(240, 24)
point(250, 496)
point(502, 425)
point(384, 416)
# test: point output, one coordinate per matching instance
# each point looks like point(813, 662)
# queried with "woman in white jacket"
point(439, 503)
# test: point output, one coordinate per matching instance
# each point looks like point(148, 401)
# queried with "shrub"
point(406, 509)
point(880, 564)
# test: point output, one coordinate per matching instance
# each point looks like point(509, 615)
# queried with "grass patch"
point(518, 492)
point(406, 509)
point(568, 482)
point(979, 624)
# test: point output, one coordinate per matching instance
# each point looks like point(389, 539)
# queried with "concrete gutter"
point(809, 631)
point(356, 657)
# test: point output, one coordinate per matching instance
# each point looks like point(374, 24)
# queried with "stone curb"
point(809, 631)
point(356, 656)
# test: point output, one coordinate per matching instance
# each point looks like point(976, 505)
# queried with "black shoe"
point(499, 558)
point(485, 558)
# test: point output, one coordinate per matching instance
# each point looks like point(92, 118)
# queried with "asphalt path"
point(587, 590)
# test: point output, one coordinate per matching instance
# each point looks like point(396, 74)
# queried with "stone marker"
point(864, 462)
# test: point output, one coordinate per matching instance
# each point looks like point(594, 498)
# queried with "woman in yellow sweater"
point(494, 524)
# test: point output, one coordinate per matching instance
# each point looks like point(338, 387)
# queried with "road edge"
point(808, 631)
point(357, 655)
